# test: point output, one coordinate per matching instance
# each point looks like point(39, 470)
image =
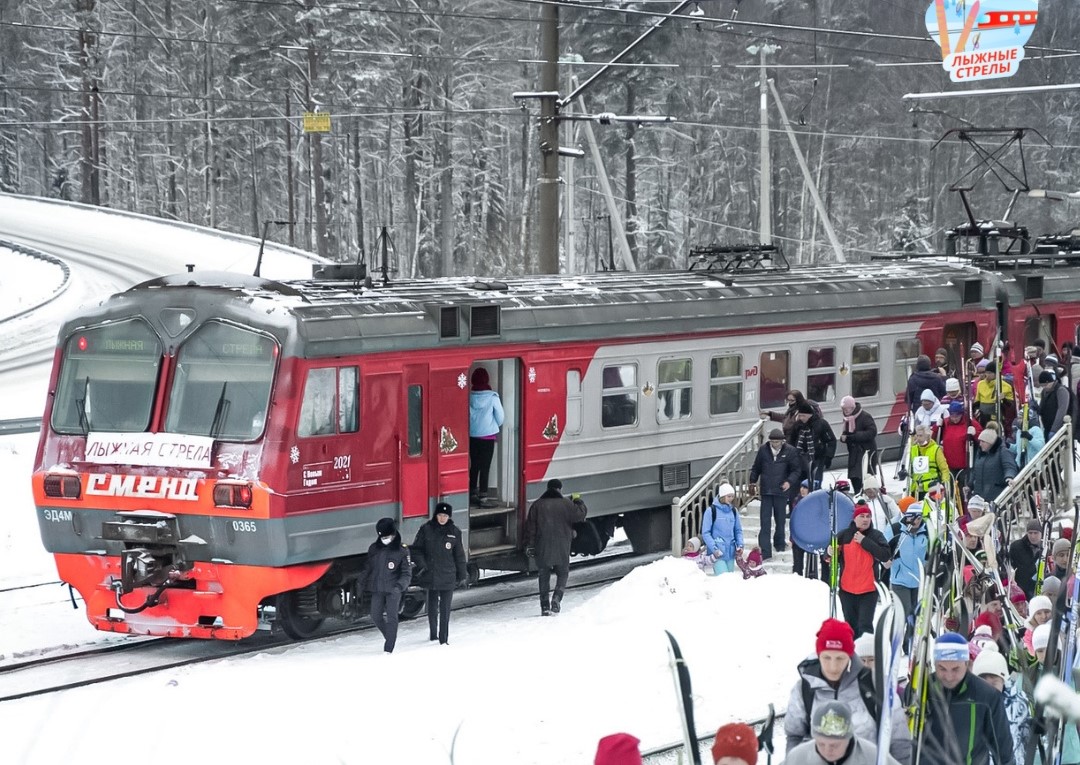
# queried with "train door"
point(957, 339)
point(415, 467)
point(493, 516)
point(1040, 327)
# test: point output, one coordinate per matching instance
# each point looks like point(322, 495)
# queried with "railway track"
point(142, 655)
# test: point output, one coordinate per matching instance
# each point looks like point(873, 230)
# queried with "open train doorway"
point(494, 463)
point(957, 340)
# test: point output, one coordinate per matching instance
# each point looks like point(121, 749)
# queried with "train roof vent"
point(448, 322)
point(972, 291)
point(1033, 286)
point(484, 321)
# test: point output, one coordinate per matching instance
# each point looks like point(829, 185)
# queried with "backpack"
point(866, 692)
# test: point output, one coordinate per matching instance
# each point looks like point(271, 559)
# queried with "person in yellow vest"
point(986, 397)
point(928, 463)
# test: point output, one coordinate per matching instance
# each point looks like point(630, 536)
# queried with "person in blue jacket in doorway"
point(722, 530)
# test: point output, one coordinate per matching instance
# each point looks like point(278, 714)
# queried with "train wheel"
point(294, 613)
point(412, 605)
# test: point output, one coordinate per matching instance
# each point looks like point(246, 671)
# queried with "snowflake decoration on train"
point(462, 381)
point(532, 374)
point(294, 455)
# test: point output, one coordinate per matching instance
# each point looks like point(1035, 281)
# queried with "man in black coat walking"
point(921, 379)
point(779, 466)
point(549, 530)
point(386, 576)
point(815, 440)
point(439, 553)
point(1024, 555)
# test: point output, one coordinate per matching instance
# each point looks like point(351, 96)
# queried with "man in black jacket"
point(779, 467)
point(549, 530)
point(1024, 555)
point(965, 715)
point(386, 576)
point(815, 440)
point(922, 378)
point(439, 553)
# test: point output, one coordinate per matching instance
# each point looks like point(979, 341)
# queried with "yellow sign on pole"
point(316, 122)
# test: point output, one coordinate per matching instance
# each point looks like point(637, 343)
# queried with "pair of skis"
point(888, 646)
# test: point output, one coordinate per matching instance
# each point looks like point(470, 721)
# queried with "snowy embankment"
point(27, 281)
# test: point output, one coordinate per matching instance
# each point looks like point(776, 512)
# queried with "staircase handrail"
point(1046, 478)
point(734, 468)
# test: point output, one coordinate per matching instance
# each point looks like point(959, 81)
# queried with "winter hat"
point(952, 385)
point(1017, 595)
point(835, 635)
point(1051, 360)
point(905, 503)
point(847, 404)
point(1040, 637)
point(443, 508)
point(1062, 545)
point(386, 527)
point(805, 408)
point(736, 740)
point(805, 483)
point(832, 720)
point(989, 436)
point(842, 485)
point(861, 508)
point(983, 639)
point(864, 645)
point(1046, 376)
point(618, 749)
point(991, 368)
point(990, 663)
point(870, 482)
point(977, 348)
point(922, 363)
point(956, 407)
point(989, 619)
point(1039, 603)
point(928, 395)
point(1031, 350)
point(1034, 525)
point(975, 502)
point(951, 646)
point(913, 508)
point(555, 484)
point(776, 434)
point(724, 490)
point(1051, 587)
point(694, 544)
point(941, 352)
point(982, 365)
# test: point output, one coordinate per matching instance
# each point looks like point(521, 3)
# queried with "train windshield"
point(107, 379)
point(222, 383)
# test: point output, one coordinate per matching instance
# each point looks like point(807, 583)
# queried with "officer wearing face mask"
point(387, 576)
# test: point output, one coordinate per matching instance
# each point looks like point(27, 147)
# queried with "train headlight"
point(64, 486)
point(233, 494)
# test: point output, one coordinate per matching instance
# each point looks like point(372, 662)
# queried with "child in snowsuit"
point(721, 530)
point(694, 552)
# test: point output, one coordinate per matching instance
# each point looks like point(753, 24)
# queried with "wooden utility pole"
point(548, 237)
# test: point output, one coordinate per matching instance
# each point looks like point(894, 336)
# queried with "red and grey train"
point(216, 449)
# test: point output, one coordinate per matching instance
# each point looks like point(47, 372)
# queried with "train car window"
point(821, 374)
point(416, 421)
point(775, 378)
point(725, 384)
point(620, 400)
point(865, 370)
point(222, 383)
point(108, 376)
point(575, 403)
point(317, 407)
point(673, 391)
point(907, 353)
point(348, 400)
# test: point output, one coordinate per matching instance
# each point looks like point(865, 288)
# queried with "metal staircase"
point(734, 468)
point(1044, 485)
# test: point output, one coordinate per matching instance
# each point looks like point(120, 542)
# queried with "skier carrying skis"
point(861, 548)
point(965, 717)
point(836, 674)
point(909, 561)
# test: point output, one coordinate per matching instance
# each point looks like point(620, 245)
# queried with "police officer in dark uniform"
point(387, 576)
point(440, 555)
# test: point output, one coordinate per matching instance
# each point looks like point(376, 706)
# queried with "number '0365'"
point(245, 526)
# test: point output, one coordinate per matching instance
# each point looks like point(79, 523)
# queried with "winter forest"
point(192, 111)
